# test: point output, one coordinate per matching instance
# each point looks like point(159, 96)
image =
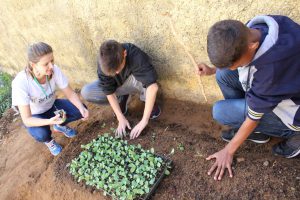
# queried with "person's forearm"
point(113, 101)
point(244, 131)
point(33, 122)
point(151, 92)
point(74, 99)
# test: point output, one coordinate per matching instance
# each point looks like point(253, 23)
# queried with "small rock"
point(266, 163)
point(240, 159)
point(292, 188)
point(281, 191)
point(298, 177)
point(67, 165)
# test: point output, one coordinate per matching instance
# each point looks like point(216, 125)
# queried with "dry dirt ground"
point(29, 172)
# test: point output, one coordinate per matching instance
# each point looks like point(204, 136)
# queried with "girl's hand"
point(85, 113)
point(56, 120)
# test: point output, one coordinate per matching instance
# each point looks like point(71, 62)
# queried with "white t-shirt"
point(25, 91)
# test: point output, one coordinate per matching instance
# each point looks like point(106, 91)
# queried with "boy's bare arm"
point(123, 122)
point(150, 100)
point(225, 156)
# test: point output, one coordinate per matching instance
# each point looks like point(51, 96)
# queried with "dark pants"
point(43, 133)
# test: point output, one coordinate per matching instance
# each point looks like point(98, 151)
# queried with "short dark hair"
point(227, 41)
point(111, 55)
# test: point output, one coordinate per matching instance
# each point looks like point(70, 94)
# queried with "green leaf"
point(180, 147)
point(172, 151)
point(152, 181)
point(152, 150)
point(132, 169)
point(138, 191)
point(105, 135)
point(167, 172)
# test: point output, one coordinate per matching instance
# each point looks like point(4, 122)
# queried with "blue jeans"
point(233, 110)
point(43, 133)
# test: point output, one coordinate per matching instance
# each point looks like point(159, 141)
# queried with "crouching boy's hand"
point(223, 161)
point(136, 131)
point(123, 124)
point(151, 92)
point(225, 156)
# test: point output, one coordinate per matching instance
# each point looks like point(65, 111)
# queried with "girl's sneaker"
point(68, 132)
point(54, 148)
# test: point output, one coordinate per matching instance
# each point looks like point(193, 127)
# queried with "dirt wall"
point(75, 29)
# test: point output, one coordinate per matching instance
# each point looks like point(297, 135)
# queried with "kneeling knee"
point(218, 112)
point(85, 92)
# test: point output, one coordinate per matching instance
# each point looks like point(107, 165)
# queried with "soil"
point(29, 172)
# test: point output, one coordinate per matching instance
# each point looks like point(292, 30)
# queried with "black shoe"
point(155, 112)
point(124, 103)
point(289, 148)
point(256, 137)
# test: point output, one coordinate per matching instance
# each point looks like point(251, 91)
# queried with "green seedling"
point(180, 147)
point(153, 137)
point(123, 171)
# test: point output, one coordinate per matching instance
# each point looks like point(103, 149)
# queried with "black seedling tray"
point(160, 178)
point(155, 185)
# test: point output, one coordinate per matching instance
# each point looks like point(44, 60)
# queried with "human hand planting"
point(84, 113)
point(106, 161)
point(225, 156)
point(137, 130)
point(223, 161)
point(123, 124)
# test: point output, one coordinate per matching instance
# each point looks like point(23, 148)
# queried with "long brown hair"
point(34, 53)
